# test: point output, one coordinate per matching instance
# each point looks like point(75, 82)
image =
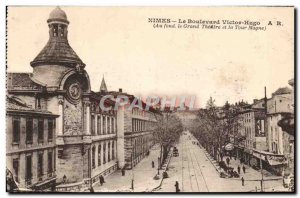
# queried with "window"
point(104, 125)
point(41, 131)
point(99, 154)
point(112, 125)
point(113, 150)
point(50, 130)
point(108, 154)
point(108, 125)
point(16, 169)
point(40, 165)
point(93, 124)
point(16, 130)
point(50, 162)
point(104, 149)
point(29, 131)
point(98, 125)
point(28, 169)
point(93, 157)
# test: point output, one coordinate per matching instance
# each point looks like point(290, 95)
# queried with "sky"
point(121, 45)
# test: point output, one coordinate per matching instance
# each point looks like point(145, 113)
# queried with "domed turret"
point(58, 51)
point(57, 14)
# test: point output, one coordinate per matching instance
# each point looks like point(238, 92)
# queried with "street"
point(196, 173)
point(194, 170)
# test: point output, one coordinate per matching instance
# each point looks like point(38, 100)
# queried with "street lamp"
point(158, 164)
point(262, 175)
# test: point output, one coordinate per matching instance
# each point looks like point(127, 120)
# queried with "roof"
point(14, 104)
point(57, 51)
point(282, 90)
point(58, 14)
point(103, 85)
point(22, 81)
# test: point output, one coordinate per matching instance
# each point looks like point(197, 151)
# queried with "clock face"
point(74, 92)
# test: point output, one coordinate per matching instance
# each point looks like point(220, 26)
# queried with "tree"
point(215, 125)
point(167, 132)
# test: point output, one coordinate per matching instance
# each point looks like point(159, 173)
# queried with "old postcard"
point(150, 99)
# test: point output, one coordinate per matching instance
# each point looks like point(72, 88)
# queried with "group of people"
point(233, 173)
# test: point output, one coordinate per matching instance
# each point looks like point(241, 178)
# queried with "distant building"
point(253, 118)
point(280, 142)
point(30, 145)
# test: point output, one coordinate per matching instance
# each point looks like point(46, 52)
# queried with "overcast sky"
point(120, 44)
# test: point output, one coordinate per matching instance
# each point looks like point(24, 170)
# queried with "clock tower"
point(66, 93)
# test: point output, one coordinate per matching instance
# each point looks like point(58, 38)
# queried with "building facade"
point(30, 145)
point(280, 142)
point(88, 140)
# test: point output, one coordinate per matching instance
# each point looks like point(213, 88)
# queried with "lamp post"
point(262, 175)
point(158, 165)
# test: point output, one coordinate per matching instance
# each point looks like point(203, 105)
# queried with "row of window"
point(29, 166)
point(16, 128)
point(103, 125)
point(138, 125)
point(142, 125)
point(101, 152)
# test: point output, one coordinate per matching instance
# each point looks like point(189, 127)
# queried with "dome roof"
point(58, 14)
point(57, 51)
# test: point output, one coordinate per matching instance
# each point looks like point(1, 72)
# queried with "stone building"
point(85, 135)
point(279, 141)
point(89, 140)
point(135, 131)
point(253, 128)
point(30, 145)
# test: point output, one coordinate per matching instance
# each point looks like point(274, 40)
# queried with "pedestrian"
point(177, 187)
point(239, 169)
point(101, 180)
point(227, 161)
point(152, 164)
point(244, 169)
point(123, 172)
point(92, 189)
point(243, 181)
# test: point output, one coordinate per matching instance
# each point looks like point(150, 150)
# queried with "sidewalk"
point(251, 174)
point(142, 175)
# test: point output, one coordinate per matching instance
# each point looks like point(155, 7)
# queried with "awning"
point(229, 147)
point(273, 162)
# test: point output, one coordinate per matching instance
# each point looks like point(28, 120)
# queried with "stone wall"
point(70, 164)
point(73, 121)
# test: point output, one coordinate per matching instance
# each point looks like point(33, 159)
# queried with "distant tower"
point(103, 87)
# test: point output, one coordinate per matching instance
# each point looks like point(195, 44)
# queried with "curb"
point(164, 169)
point(207, 156)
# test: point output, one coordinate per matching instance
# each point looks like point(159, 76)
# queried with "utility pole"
point(158, 164)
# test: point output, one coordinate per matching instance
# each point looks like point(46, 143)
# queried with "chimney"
point(120, 90)
point(266, 100)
